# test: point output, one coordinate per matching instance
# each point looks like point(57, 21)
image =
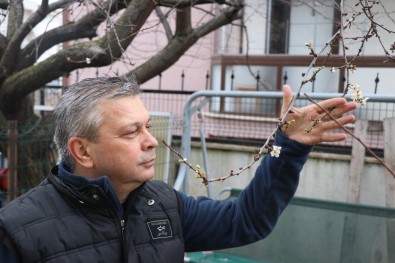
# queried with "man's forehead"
point(125, 110)
point(129, 103)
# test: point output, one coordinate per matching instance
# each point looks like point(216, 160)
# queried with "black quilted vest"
point(56, 223)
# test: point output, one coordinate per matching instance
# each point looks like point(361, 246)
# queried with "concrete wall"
point(325, 176)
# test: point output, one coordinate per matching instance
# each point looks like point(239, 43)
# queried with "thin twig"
point(199, 173)
point(386, 166)
point(202, 175)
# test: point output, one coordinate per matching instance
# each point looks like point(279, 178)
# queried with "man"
point(99, 205)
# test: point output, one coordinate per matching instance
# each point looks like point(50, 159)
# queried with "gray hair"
point(78, 112)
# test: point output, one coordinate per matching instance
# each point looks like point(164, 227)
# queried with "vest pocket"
point(165, 250)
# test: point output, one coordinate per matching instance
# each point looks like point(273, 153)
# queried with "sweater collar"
point(66, 176)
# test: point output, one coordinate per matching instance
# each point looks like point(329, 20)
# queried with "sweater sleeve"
point(212, 224)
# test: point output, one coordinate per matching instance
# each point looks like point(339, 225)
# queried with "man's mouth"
point(149, 162)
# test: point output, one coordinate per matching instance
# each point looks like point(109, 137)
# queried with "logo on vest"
point(160, 229)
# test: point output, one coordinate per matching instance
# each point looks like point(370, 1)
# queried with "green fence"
point(27, 155)
point(312, 231)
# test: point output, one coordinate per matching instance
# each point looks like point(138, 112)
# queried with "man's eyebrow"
point(131, 125)
point(134, 123)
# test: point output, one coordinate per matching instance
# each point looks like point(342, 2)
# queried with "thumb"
point(287, 98)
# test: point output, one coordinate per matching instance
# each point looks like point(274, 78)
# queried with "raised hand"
point(311, 124)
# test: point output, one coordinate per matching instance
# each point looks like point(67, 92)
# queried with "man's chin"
point(148, 175)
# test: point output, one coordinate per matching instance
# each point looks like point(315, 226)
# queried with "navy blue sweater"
point(210, 224)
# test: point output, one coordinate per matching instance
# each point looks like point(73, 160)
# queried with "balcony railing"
point(224, 77)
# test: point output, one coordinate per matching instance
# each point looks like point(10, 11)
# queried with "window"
point(279, 17)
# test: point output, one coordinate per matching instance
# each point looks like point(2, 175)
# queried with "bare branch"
point(189, 3)
point(85, 27)
point(20, 84)
point(327, 113)
point(3, 44)
point(198, 172)
point(122, 32)
point(183, 21)
point(15, 19)
point(163, 20)
point(166, 57)
point(8, 59)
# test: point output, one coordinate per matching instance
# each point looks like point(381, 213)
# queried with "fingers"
point(287, 98)
point(339, 111)
point(336, 106)
point(313, 131)
point(330, 103)
point(331, 125)
point(333, 137)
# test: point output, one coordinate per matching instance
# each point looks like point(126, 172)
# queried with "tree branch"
point(189, 3)
point(384, 164)
point(84, 28)
point(15, 19)
point(9, 57)
point(183, 21)
point(3, 44)
point(97, 53)
point(164, 22)
point(20, 84)
point(121, 33)
point(166, 57)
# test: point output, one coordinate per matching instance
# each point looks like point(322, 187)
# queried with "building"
point(267, 47)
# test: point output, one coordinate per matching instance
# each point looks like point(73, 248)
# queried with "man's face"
point(126, 148)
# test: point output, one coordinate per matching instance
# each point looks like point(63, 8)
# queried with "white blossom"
point(355, 87)
point(357, 95)
point(275, 152)
point(309, 44)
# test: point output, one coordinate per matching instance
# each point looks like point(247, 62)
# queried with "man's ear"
point(79, 149)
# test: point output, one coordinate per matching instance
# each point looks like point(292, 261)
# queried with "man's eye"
point(130, 133)
point(149, 126)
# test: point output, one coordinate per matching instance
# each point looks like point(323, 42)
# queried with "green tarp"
point(319, 231)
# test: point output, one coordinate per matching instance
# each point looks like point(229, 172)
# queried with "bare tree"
point(22, 71)
point(94, 33)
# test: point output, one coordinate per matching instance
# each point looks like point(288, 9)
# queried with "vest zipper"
point(123, 229)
